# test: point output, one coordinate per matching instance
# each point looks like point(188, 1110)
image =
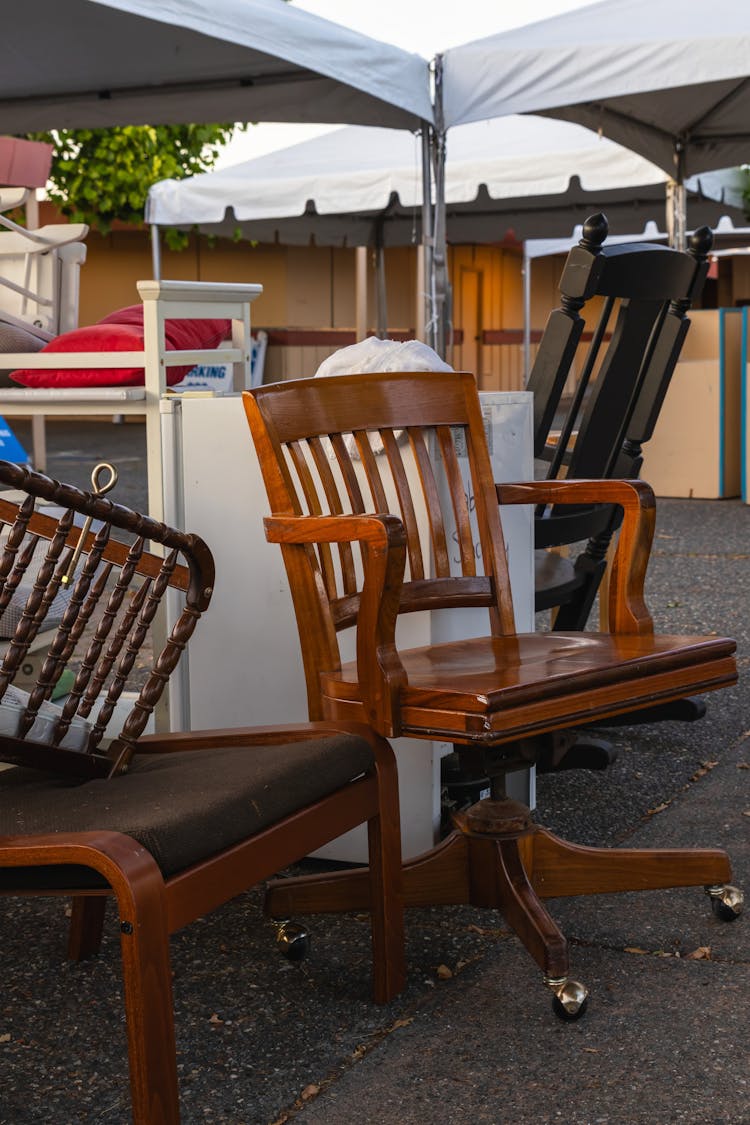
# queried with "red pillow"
point(122, 331)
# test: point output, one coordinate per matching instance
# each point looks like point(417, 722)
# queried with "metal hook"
point(100, 488)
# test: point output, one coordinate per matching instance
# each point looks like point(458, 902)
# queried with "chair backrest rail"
point(352, 446)
point(93, 616)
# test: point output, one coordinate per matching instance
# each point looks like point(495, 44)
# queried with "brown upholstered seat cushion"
point(183, 807)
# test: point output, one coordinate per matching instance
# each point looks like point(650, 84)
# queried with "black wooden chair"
point(169, 825)
point(621, 367)
point(599, 380)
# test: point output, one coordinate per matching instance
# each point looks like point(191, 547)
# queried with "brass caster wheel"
point(727, 902)
point(293, 940)
point(570, 998)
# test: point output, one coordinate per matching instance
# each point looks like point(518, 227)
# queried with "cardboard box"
point(695, 450)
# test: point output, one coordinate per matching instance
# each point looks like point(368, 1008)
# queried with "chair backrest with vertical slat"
point(407, 444)
point(87, 617)
point(606, 360)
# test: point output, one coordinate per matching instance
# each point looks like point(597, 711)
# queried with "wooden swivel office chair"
point(170, 825)
point(368, 536)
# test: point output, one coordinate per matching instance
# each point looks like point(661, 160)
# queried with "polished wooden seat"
point(383, 502)
point(449, 685)
point(170, 825)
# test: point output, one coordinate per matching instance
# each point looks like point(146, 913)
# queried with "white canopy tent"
point(97, 63)
point(524, 174)
point(669, 80)
point(361, 186)
point(89, 63)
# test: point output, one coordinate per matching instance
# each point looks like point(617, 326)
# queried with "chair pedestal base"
point(510, 864)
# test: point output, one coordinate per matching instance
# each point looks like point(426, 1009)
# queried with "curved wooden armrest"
point(383, 540)
point(629, 494)
point(627, 607)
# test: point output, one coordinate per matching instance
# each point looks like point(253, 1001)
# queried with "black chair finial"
point(700, 242)
point(595, 230)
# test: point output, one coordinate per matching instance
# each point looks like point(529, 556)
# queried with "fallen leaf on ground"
point(592, 1050)
point(483, 931)
point(634, 949)
point(658, 809)
point(743, 765)
point(309, 1092)
point(702, 953)
point(5, 1038)
point(214, 1018)
point(705, 768)
point(444, 973)
point(402, 1023)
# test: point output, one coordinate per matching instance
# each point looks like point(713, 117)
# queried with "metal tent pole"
point(156, 251)
point(677, 202)
point(382, 293)
point(526, 270)
point(439, 285)
point(360, 292)
point(427, 234)
point(439, 248)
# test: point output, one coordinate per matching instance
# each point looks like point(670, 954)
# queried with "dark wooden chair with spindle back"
point(372, 465)
point(599, 380)
point(171, 825)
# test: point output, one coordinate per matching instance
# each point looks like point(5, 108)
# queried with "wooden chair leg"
point(386, 913)
point(147, 986)
point(86, 926)
point(558, 868)
point(522, 909)
point(499, 881)
point(386, 898)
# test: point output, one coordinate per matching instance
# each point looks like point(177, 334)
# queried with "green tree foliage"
point(746, 189)
point(100, 175)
